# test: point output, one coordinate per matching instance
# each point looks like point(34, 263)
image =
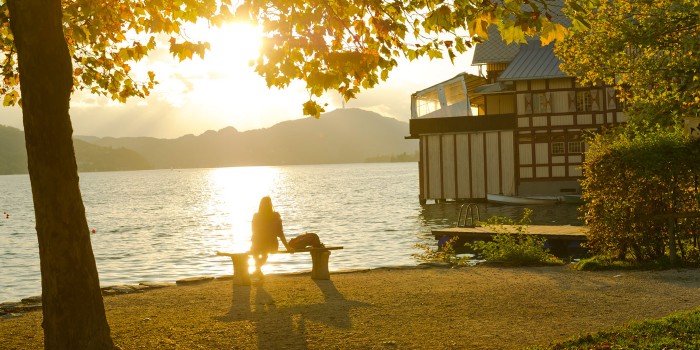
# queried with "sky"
point(223, 90)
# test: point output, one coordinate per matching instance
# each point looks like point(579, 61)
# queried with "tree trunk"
point(74, 316)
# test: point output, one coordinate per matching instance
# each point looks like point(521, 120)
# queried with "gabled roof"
point(494, 49)
point(533, 61)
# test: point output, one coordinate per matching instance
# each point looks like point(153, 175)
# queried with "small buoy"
point(93, 230)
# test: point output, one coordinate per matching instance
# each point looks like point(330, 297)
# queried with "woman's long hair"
point(265, 209)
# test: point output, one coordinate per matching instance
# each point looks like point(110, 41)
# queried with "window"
point(584, 102)
point(539, 103)
point(558, 148)
point(454, 93)
point(576, 147)
point(428, 103)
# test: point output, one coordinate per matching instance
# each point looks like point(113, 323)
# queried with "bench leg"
point(241, 277)
point(319, 268)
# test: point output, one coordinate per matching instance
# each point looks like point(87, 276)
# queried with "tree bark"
point(74, 315)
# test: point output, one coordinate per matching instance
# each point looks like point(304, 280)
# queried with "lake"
point(164, 225)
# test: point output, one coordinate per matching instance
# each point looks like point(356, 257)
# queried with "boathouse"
point(513, 129)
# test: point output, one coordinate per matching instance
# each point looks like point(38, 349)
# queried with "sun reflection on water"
point(234, 194)
point(164, 225)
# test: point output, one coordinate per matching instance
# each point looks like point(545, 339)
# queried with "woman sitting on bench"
point(267, 227)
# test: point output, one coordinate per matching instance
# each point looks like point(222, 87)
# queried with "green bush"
point(518, 248)
point(515, 249)
point(632, 175)
point(447, 254)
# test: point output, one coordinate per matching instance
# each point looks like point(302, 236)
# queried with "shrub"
point(632, 175)
point(517, 248)
point(445, 254)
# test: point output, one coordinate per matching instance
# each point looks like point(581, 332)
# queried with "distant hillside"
point(341, 136)
point(13, 156)
point(97, 158)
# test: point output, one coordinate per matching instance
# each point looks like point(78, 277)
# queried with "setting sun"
point(233, 43)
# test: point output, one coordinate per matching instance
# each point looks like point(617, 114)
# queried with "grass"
point(677, 331)
point(602, 263)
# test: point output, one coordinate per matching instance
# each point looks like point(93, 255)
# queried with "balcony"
point(422, 126)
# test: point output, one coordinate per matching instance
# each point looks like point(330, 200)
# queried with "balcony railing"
point(420, 126)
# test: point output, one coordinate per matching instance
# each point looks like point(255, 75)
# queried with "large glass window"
point(454, 93)
point(428, 103)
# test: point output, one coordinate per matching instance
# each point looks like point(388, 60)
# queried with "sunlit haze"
point(223, 90)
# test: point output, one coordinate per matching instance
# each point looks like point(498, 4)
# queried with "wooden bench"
point(319, 263)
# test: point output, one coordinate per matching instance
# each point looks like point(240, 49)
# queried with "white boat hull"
point(510, 200)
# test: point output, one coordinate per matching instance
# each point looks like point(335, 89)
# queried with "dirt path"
point(413, 308)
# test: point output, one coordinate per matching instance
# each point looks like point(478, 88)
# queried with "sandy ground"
point(391, 308)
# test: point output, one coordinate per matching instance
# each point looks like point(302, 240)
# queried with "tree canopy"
point(105, 38)
point(338, 45)
point(648, 50)
point(348, 46)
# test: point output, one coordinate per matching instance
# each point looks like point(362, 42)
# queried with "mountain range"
point(341, 136)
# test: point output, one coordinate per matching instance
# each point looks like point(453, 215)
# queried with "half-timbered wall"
point(551, 117)
point(543, 153)
point(467, 165)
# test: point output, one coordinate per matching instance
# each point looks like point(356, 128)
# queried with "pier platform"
point(563, 241)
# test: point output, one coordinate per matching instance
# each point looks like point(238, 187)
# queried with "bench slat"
point(319, 259)
point(305, 250)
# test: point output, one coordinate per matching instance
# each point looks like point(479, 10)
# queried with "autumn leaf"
point(552, 31)
point(10, 98)
point(511, 33)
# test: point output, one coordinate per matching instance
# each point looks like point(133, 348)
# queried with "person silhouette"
point(267, 228)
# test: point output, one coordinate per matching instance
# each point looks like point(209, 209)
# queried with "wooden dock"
point(568, 233)
point(563, 241)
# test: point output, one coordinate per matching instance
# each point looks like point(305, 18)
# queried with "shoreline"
point(481, 307)
point(32, 303)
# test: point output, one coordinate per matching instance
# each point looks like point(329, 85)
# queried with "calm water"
point(164, 225)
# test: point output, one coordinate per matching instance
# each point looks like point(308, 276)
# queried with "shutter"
point(548, 102)
point(610, 92)
point(572, 101)
point(595, 100)
point(528, 103)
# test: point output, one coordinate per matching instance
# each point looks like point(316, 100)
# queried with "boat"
point(511, 200)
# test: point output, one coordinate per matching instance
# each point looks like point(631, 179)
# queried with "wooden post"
point(672, 238)
point(319, 268)
point(241, 277)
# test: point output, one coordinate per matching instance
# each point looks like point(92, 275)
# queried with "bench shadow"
point(335, 309)
point(276, 327)
point(285, 327)
point(240, 305)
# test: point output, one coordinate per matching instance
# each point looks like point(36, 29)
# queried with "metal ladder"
point(468, 215)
